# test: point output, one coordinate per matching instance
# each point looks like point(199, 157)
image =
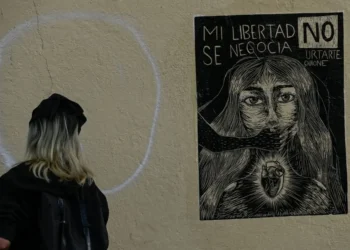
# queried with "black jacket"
point(20, 193)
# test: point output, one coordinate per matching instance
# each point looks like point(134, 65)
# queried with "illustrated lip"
point(272, 178)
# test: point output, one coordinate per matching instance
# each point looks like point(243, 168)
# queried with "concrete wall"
point(131, 66)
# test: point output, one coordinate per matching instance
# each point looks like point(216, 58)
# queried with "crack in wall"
point(11, 59)
point(42, 45)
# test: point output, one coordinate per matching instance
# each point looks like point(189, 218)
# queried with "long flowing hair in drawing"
point(311, 141)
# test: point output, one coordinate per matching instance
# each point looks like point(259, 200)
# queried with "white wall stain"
point(93, 16)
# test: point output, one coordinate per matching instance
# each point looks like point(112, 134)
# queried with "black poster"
point(271, 135)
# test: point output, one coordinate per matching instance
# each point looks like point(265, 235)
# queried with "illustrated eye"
point(284, 98)
point(253, 100)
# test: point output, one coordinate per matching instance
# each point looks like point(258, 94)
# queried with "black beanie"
point(57, 105)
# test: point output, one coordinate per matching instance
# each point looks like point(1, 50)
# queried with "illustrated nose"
point(272, 117)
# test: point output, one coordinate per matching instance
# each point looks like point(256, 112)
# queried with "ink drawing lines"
point(295, 179)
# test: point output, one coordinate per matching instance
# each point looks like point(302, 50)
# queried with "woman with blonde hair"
point(54, 167)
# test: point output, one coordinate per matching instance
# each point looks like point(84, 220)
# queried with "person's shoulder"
point(14, 180)
point(19, 177)
point(19, 170)
point(94, 187)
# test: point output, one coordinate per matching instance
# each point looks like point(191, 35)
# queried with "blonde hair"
point(53, 146)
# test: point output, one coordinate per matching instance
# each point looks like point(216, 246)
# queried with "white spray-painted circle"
point(111, 19)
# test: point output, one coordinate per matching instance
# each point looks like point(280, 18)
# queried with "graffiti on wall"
point(270, 95)
point(21, 29)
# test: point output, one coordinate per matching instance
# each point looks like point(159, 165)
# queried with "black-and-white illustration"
point(271, 115)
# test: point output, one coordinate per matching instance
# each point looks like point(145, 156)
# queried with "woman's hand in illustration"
point(269, 140)
point(266, 140)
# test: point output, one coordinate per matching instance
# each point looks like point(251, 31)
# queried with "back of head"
point(53, 145)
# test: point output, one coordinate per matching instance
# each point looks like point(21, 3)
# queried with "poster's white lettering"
point(261, 32)
point(251, 48)
point(246, 40)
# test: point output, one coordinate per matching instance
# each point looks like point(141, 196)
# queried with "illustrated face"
point(268, 104)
